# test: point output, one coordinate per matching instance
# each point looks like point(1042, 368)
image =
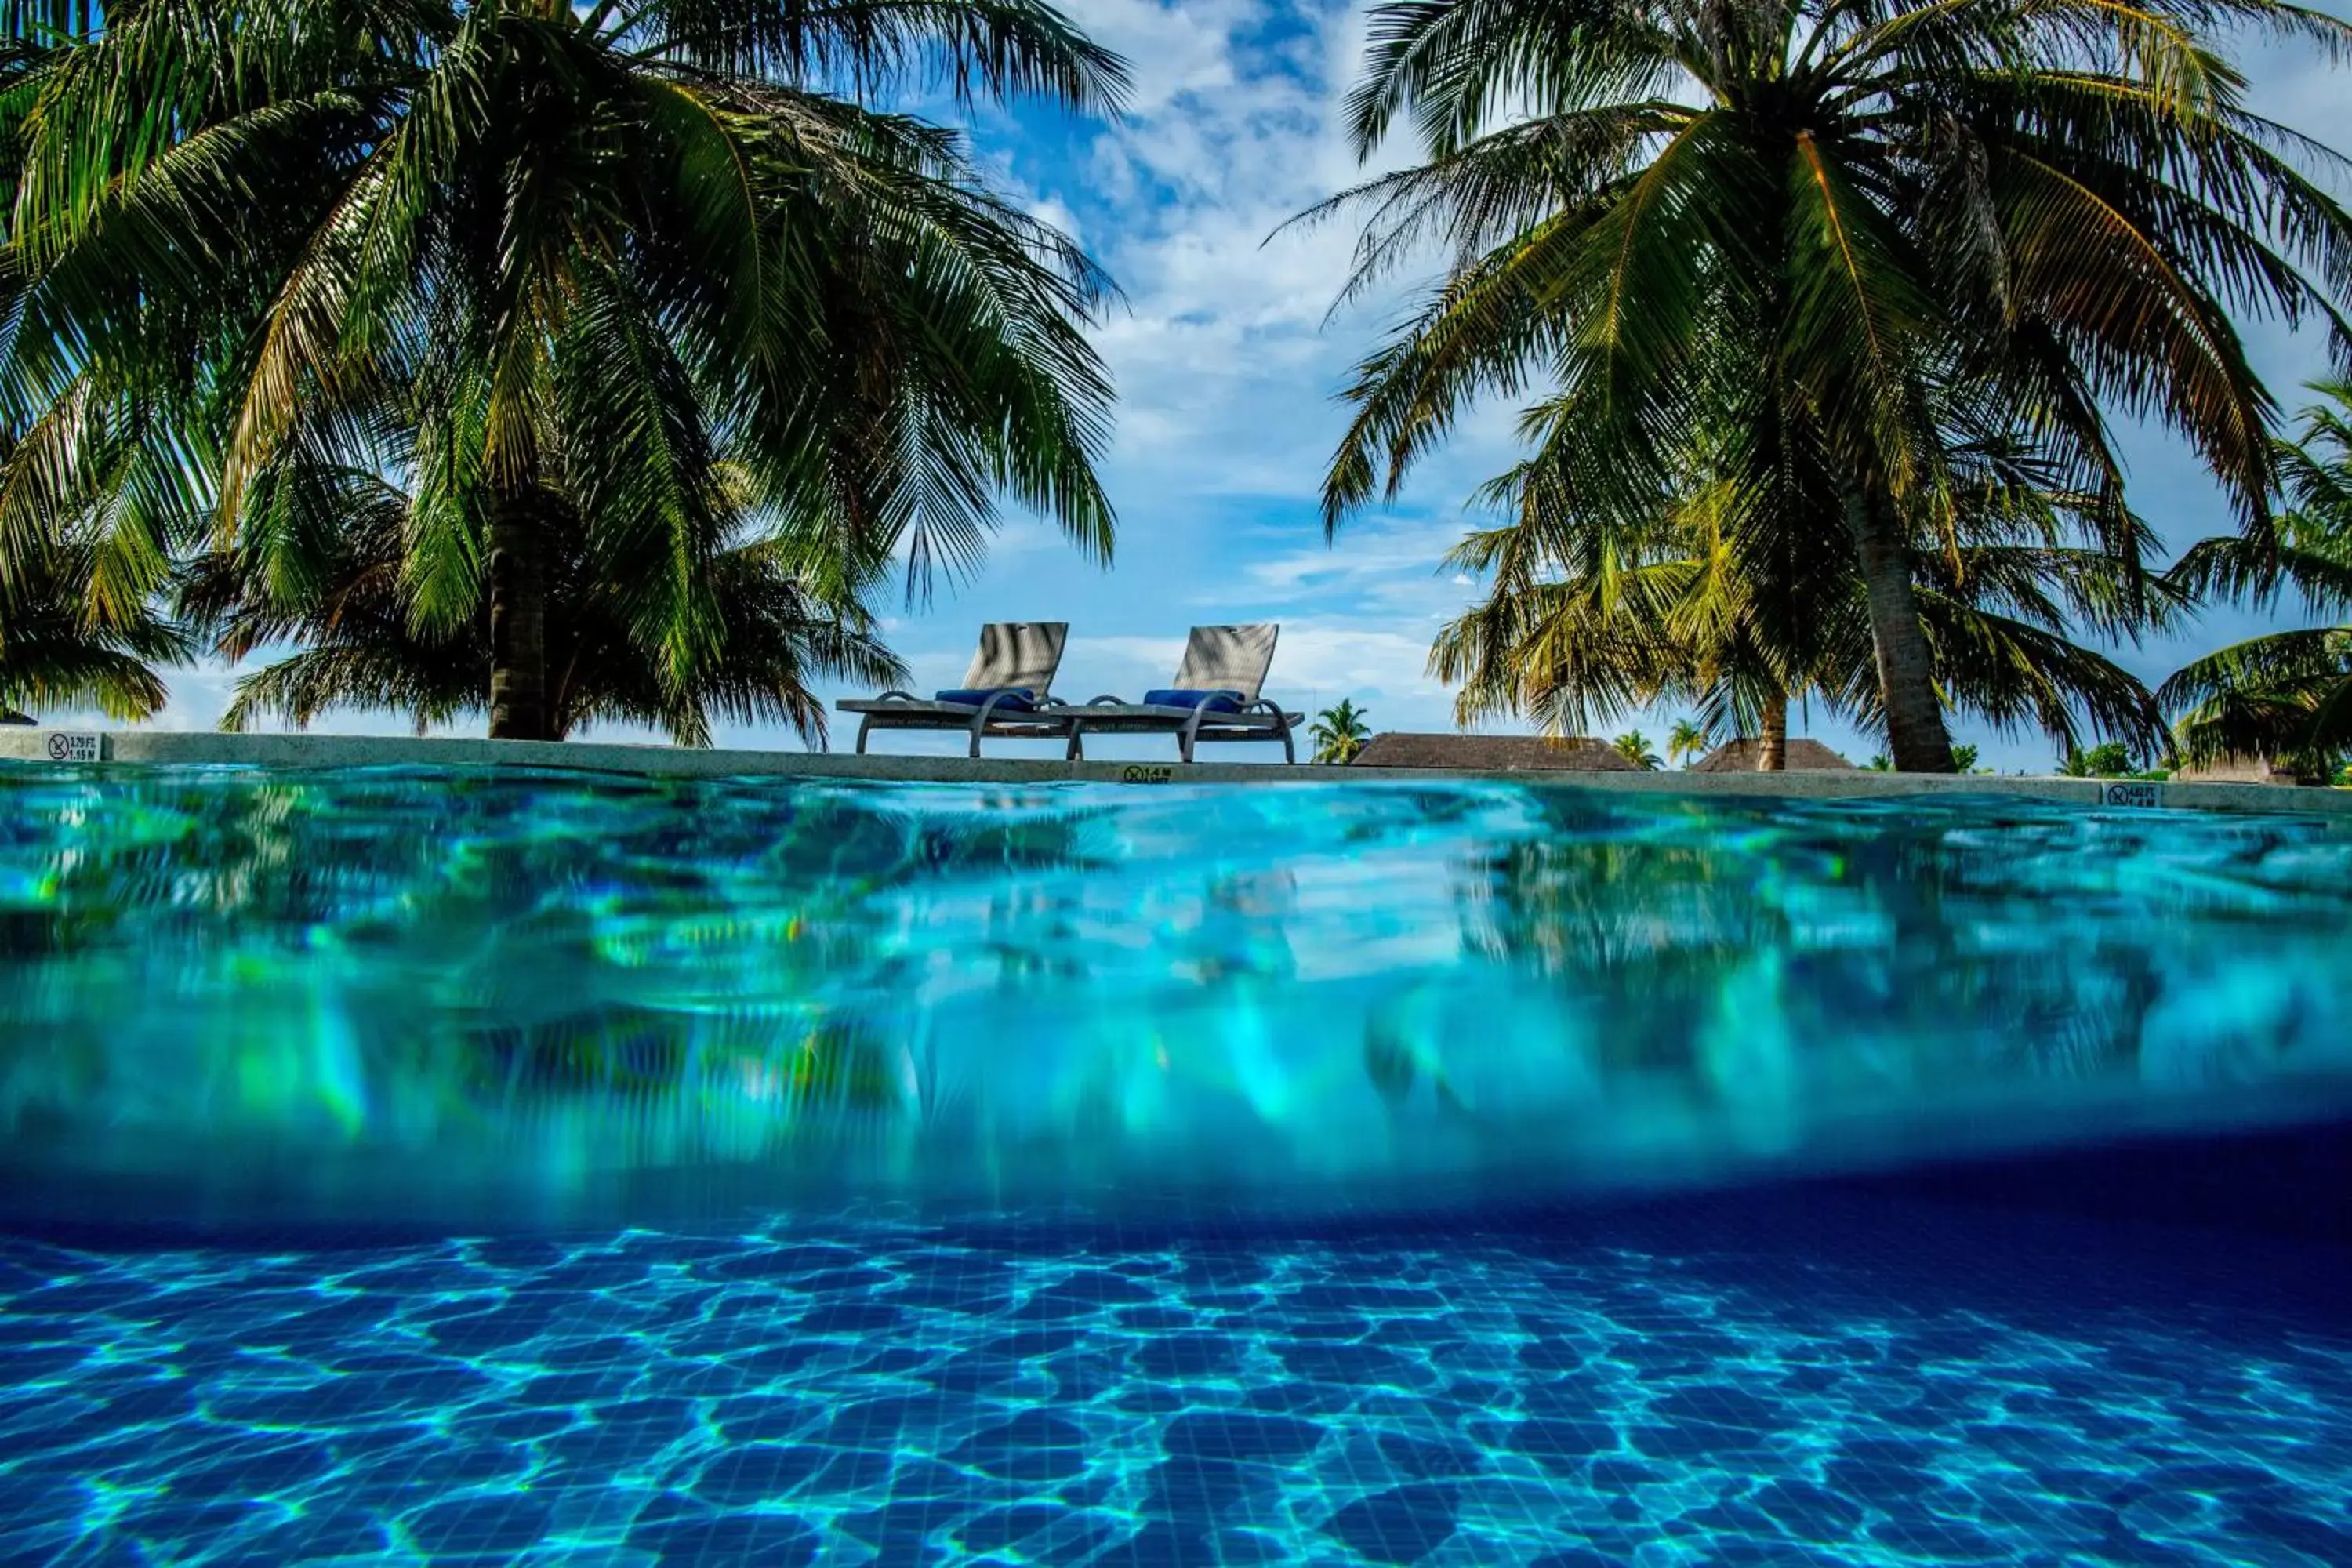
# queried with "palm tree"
point(2287, 695)
point(360, 645)
point(570, 262)
point(2112, 759)
point(1635, 747)
point(54, 655)
point(1814, 223)
point(1339, 733)
point(1688, 741)
point(1589, 613)
point(78, 619)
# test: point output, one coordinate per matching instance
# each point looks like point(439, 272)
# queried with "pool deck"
point(181, 748)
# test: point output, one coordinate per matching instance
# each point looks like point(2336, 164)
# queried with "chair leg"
point(1190, 735)
point(863, 729)
point(1076, 753)
point(1289, 753)
point(975, 740)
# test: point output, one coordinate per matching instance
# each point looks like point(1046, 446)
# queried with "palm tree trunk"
point(1772, 745)
point(1915, 736)
point(518, 623)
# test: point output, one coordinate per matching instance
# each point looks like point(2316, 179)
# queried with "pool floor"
point(1841, 1380)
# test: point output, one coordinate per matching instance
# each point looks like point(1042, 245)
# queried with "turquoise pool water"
point(410, 1167)
point(475, 997)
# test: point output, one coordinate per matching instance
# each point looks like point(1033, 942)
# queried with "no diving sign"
point(71, 746)
point(2138, 796)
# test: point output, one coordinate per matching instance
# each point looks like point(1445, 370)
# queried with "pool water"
point(406, 1166)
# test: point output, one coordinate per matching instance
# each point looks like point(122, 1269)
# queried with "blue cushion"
point(1212, 701)
point(1017, 699)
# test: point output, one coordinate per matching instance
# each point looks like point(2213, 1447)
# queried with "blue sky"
point(1228, 371)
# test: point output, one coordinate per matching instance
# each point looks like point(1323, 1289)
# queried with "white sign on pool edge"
point(65, 746)
point(2143, 795)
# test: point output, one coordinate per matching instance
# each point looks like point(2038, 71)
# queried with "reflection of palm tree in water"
point(1665, 936)
point(796, 1076)
point(1616, 921)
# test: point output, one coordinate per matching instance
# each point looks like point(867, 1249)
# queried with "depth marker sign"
point(66, 746)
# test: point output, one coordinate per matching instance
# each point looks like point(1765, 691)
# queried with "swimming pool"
point(409, 1165)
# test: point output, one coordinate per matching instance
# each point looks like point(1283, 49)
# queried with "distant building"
point(2238, 770)
point(1802, 755)
point(1492, 753)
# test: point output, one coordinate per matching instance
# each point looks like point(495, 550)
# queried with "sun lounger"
point(1214, 698)
point(1006, 693)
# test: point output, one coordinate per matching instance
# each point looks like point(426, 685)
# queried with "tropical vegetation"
point(1817, 253)
point(2287, 695)
point(1635, 747)
point(54, 655)
point(1587, 615)
point(359, 646)
point(562, 363)
point(648, 296)
point(2110, 759)
point(1339, 733)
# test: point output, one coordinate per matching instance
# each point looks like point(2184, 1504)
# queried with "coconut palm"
point(1589, 614)
point(360, 645)
point(53, 655)
point(1339, 733)
point(1635, 747)
point(2053, 204)
point(1688, 741)
point(88, 507)
point(2110, 761)
point(2287, 695)
point(580, 257)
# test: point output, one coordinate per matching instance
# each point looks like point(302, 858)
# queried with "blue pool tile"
point(495, 1526)
point(1403, 1524)
point(1223, 1436)
point(744, 1538)
point(1564, 1405)
point(1035, 1448)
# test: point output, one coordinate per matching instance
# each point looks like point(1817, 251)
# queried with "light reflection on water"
point(420, 993)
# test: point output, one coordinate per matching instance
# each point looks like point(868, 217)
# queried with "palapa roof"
point(1804, 755)
point(1491, 753)
point(2238, 769)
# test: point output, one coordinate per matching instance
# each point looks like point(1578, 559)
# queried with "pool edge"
point(168, 748)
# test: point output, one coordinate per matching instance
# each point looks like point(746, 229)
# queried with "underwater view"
point(403, 1166)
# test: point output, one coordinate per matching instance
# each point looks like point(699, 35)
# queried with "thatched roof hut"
point(2237, 768)
point(1804, 755)
point(1491, 753)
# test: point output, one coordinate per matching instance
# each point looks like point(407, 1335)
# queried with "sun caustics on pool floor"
point(404, 1167)
point(1838, 1382)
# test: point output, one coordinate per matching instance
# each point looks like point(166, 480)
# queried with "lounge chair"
point(1006, 693)
point(1214, 698)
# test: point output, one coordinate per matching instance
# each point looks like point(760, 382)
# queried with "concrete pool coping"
point(195, 748)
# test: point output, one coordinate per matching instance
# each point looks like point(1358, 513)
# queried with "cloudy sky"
point(1227, 370)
